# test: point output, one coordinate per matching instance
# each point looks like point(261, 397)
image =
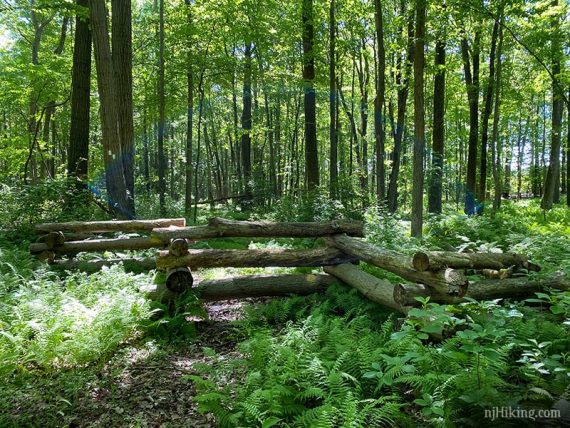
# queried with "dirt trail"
point(145, 388)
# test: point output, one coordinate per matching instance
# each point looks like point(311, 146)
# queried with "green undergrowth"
point(341, 361)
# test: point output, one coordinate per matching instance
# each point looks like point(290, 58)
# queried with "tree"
point(246, 122)
point(122, 56)
point(403, 66)
point(333, 174)
point(472, 84)
point(78, 152)
point(487, 114)
point(112, 151)
point(161, 111)
point(553, 170)
point(435, 185)
point(310, 102)
point(189, 119)
point(419, 121)
point(379, 100)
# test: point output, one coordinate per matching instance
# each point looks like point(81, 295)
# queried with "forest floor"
point(145, 384)
point(83, 350)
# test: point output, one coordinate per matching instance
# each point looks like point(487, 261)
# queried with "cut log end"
point(179, 280)
point(178, 247)
point(420, 261)
point(457, 283)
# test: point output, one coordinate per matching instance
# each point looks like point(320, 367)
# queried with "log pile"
point(440, 275)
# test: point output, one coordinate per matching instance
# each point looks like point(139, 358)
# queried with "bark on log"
point(140, 264)
point(447, 281)
point(405, 294)
point(179, 280)
point(254, 258)
point(219, 227)
point(251, 286)
point(74, 247)
point(437, 260)
point(110, 226)
point(375, 289)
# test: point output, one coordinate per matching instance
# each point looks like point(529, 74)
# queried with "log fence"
point(440, 275)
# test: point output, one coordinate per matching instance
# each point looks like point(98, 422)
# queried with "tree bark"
point(379, 131)
point(496, 145)
point(472, 84)
point(110, 226)
point(161, 112)
point(374, 289)
point(487, 114)
point(122, 57)
point(446, 281)
point(437, 260)
point(554, 164)
point(333, 171)
point(435, 185)
point(310, 102)
point(254, 258)
point(138, 264)
point(402, 80)
point(242, 287)
point(219, 227)
point(246, 123)
point(100, 245)
point(78, 152)
point(419, 122)
point(112, 151)
point(488, 289)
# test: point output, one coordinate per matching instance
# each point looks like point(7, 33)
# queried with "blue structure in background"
point(472, 206)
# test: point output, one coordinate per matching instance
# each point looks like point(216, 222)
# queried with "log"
point(178, 247)
point(446, 281)
point(251, 286)
point(437, 260)
point(405, 294)
point(375, 289)
point(219, 227)
point(110, 226)
point(47, 256)
point(254, 258)
point(74, 247)
point(138, 264)
point(179, 280)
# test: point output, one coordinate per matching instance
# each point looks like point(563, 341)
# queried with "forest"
point(295, 213)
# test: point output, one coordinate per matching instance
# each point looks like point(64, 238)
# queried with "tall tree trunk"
point(472, 83)
point(122, 56)
point(435, 185)
point(189, 119)
point(554, 163)
point(402, 81)
point(419, 122)
point(496, 144)
point(363, 81)
point(568, 151)
point(246, 122)
point(487, 114)
point(112, 152)
point(311, 147)
point(78, 152)
point(379, 131)
point(333, 170)
point(161, 112)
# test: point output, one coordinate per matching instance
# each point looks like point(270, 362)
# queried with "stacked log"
point(109, 226)
point(514, 288)
point(219, 227)
point(445, 281)
point(251, 286)
point(195, 259)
